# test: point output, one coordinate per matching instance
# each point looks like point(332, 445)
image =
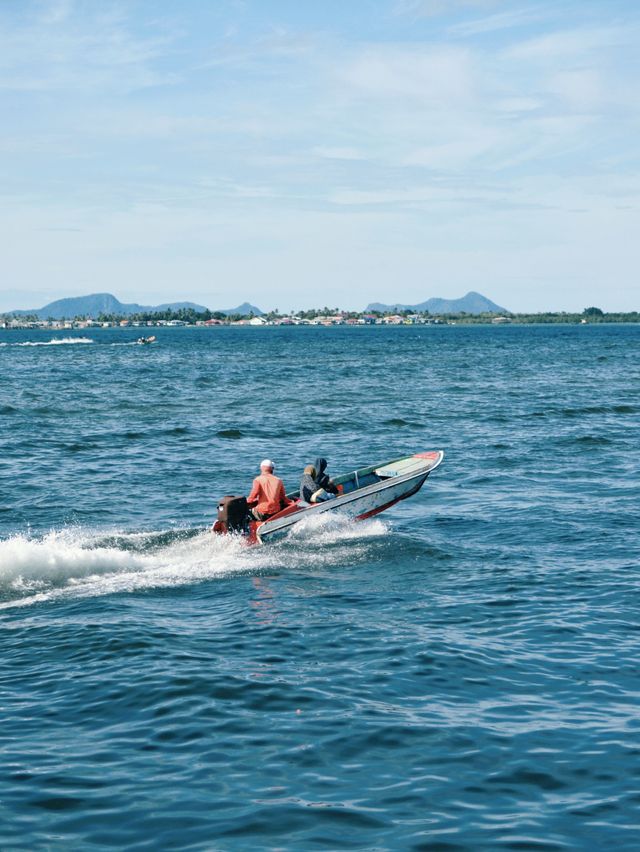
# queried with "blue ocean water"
point(459, 673)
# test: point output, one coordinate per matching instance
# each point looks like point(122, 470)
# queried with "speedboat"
point(361, 494)
point(144, 341)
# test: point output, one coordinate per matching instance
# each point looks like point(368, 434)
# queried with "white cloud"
point(568, 45)
point(410, 196)
point(262, 158)
point(518, 104)
point(64, 51)
point(580, 89)
point(338, 153)
point(546, 138)
point(429, 74)
point(55, 11)
point(498, 242)
point(501, 21)
point(432, 8)
point(458, 153)
point(277, 46)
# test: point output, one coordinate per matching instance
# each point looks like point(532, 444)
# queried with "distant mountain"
point(472, 303)
point(243, 310)
point(175, 306)
point(104, 303)
point(96, 304)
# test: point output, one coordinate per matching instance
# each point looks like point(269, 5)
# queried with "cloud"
point(547, 142)
point(432, 8)
point(56, 11)
point(581, 89)
point(518, 104)
point(337, 153)
point(278, 44)
point(61, 50)
point(428, 74)
point(501, 21)
point(459, 153)
point(413, 196)
point(568, 45)
point(224, 145)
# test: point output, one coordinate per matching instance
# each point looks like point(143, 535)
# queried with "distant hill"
point(243, 310)
point(104, 303)
point(472, 303)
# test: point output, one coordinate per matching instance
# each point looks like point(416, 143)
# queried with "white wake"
point(80, 563)
point(55, 341)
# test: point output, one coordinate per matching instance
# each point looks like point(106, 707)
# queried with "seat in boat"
point(401, 468)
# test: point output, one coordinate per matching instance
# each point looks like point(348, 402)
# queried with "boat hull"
point(359, 503)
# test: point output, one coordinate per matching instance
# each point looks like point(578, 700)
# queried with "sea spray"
point(59, 556)
point(326, 529)
point(85, 563)
point(55, 341)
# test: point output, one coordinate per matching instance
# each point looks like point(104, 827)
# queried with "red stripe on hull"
point(378, 510)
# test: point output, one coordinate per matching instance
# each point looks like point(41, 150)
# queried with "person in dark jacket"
point(308, 486)
point(322, 479)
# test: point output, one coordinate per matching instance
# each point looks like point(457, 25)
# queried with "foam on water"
point(331, 528)
point(55, 341)
point(66, 341)
point(76, 562)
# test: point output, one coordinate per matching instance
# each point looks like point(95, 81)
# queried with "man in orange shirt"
point(267, 495)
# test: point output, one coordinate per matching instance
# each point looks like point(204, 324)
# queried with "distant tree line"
point(191, 316)
point(188, 315)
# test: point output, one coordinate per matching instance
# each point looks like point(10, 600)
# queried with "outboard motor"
point(233, 515)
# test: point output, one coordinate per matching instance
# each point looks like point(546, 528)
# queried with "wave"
point(229, 433)
point(55, 341)
point(81, 563)
point(581, 411)
point(400, 421)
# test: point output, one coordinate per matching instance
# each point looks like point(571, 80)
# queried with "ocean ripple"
point(458, 674)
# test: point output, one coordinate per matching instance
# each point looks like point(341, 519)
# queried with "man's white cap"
point(267, 463)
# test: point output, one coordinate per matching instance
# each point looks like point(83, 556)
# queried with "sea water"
point(462, 672)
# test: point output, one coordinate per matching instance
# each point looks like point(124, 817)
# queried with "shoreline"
point(187, 327)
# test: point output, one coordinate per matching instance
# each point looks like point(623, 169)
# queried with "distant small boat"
point(144, 340)
point(363, 493)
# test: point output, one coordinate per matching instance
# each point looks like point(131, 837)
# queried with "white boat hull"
point(357, 504)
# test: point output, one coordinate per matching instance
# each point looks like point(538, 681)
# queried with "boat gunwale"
point(344, 499)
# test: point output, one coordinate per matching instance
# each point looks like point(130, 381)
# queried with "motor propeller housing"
point(233, 514)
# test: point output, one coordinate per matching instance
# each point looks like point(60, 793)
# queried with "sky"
point(296, 154)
